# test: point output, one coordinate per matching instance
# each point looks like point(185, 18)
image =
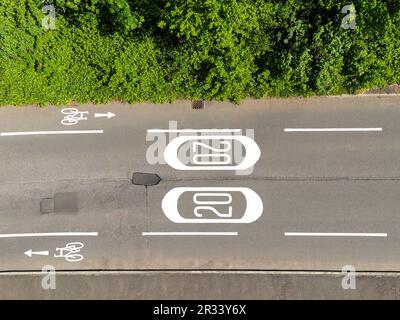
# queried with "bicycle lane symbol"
point(70, 252)
point(73, 116)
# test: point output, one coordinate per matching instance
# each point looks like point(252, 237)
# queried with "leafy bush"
point(159, 50)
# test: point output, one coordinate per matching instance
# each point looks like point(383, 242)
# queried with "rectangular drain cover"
point(62, 202)
point(198, 104)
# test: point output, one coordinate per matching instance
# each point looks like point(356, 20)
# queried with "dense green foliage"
point(160, 50)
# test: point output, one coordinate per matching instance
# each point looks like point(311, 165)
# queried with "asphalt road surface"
point(328, 177)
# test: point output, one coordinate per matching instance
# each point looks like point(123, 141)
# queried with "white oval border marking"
point(254, 205)
point(253, 153)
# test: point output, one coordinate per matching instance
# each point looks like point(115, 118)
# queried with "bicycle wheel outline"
point(75, 257)
point(68, 111)
point(68, 122)
point(75, 245)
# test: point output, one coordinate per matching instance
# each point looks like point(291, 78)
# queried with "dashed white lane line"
point(49, 234)
point(333, 129)
point(334, 234)
point(192, 130)
point(190, 233)
point(35, 133)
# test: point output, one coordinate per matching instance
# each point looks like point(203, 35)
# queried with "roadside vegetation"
point(161, 50)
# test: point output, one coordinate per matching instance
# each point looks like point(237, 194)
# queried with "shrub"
point(159, 50)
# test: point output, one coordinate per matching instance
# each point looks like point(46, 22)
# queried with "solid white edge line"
point(190, 233)
point(34, 133)
point(49, 234)
point(334, 234)
point(192, 130)
point(332, 129)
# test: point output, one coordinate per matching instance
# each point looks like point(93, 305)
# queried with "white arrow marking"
point(104, 115)
point(29, 253)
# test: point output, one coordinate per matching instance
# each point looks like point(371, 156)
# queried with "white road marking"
point(49, 234)
point(253, 210)
point(190, 233)
point(29, 253)
point(70, 252)
point(73, 116)
point(193, 130)
point(333, 129)
point(334, 234)
point(252, 154)
point(104, 115)
point(34, 133)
